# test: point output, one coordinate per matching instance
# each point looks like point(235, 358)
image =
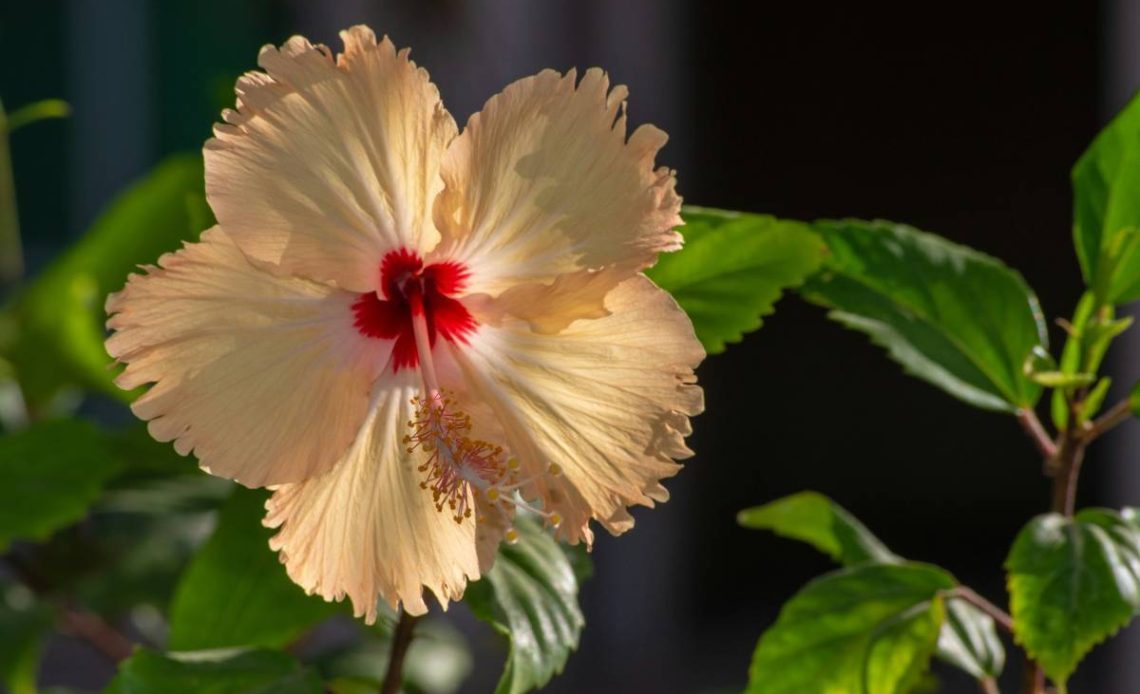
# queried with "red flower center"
point(409, 288)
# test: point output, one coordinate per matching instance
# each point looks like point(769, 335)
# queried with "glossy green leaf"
point(214, 672)
point(869, 629)
point(235, 591)
point(57, 335)
point(1106, 209)
point(969, 638)
point(1073, 582)
point(531, 596)
point(817, 520)
point(733, 268)
point(1134, 400)
point(50, 474)
point(948, 314)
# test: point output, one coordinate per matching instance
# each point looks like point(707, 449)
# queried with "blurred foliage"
point(52, 330)
point(236, 593)
point(50, 474)
point(215, 672)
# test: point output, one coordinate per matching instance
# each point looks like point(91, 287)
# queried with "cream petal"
point(264, 378)
point(549, 308)
point(608, 400)
point(326, 165)
point(543, 182)
point(367, 529)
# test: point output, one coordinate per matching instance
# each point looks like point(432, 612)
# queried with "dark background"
point(962, 120)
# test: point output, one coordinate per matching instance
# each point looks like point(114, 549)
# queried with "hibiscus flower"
point(409, 333)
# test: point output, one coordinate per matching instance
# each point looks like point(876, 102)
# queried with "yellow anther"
point(555, 469)
point(512, 464)
point(555, 519)
point(492, 494)
point(512, 536)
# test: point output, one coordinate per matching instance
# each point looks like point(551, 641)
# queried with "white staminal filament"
point(459, 467)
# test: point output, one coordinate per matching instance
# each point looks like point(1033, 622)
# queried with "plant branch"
point(1033, 427)
point(1000, 616)
point(1066, 465)
point(96, 631)
point(1034, 678)
point(401, 639)
point(11, 250)
point(75, 620)
point(988, 685)
point(1118, 413)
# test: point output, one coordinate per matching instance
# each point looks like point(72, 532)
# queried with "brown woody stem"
point(401, 639)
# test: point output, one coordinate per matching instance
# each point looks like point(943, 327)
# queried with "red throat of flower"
point(410, 289)
point(461, 472)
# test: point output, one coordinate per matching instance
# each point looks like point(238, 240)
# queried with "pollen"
point(455, 462)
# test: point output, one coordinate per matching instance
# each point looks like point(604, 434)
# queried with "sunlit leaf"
point(1073, 582)
point(50, 474)
point(948, 314)
point(1106, 209)
point(969, 637)
point(531, 596)
point(870, 629)
point(214, 672)
point(733, 268)
point(813, 518)
point(236, 593)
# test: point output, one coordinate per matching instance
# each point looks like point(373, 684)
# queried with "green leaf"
point(531, 596)
point(1073, 582)
point(1134, 400)
point(1106, 209)
point(1094, 399)
point(870, 629)
point(58, 335)
point(1091, 331)
point(969, 637)
point(969, 641)
point(50, 474)
point(23, 626)
point(733, 268)
point(37, 111)
point(948, 314)
point(214, 672)
point(817, 520)
point(235, 591)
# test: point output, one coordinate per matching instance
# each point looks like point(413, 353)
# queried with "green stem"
point(11, 251)
point(1117, 414)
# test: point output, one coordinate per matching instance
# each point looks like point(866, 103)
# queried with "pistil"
point(458, 467)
